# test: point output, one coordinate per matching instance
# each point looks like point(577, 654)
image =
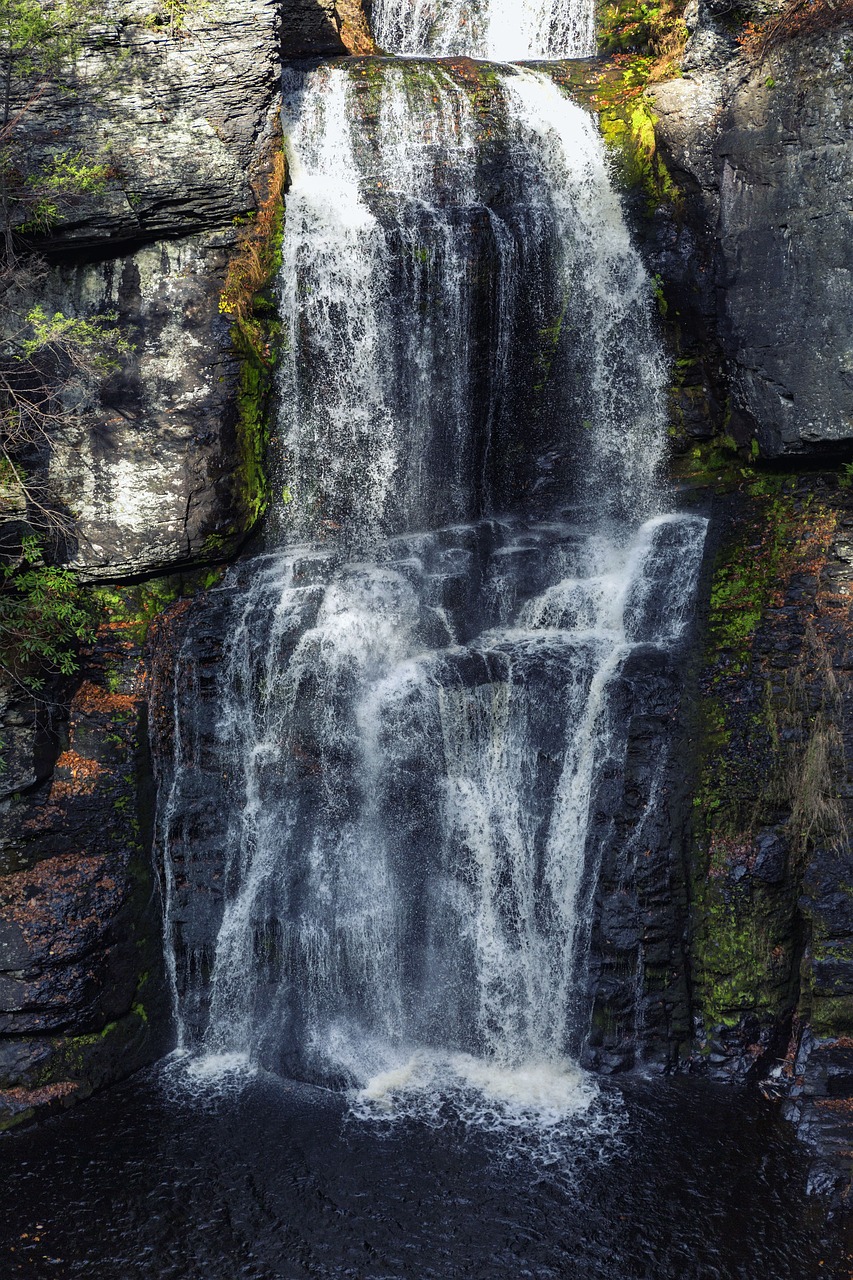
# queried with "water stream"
point(414, 704)
point(501, 30)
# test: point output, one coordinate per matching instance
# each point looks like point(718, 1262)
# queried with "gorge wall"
point(735, 917)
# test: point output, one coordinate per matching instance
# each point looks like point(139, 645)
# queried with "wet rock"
point(770, 861)
point(81, 986)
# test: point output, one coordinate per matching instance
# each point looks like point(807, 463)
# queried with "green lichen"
point(830, 1015)
point(828, 1009)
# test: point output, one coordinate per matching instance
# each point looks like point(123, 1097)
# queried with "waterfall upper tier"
point(501, 30)
point(468, 325)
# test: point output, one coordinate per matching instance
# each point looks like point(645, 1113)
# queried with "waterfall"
point(443, 295)
point(412, 712)
point(499, 30)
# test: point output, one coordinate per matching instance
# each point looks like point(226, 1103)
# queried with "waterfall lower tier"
point(391, 860)
point(394, 736)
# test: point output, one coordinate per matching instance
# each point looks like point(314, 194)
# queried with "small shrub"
point(44, 617)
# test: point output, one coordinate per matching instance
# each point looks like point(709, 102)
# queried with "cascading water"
point(415, 690)
point(500, 30)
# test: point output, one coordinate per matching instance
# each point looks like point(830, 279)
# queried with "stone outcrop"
point(149, 461)
point(180, 115)
point(763, 151)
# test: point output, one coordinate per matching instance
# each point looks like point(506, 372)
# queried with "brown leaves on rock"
point(62, 905)
point(796, 18)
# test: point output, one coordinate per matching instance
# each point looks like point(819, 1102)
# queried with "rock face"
point(765, 154)
point(81, 987)
point(786, 242)
point(152, 466)
point(146, 461)
point(325, 28)
point(179, 114)
point(639, 965)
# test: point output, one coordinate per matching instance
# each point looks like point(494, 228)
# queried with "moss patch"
point(132, 608)
point(768, 743)
point(248, 298)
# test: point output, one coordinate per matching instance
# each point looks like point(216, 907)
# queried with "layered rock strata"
point(154, 468)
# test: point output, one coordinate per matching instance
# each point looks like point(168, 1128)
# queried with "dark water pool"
point(275, 1180)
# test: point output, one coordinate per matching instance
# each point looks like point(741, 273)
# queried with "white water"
point(500, 30)
point(395, 247)
point(415, 694)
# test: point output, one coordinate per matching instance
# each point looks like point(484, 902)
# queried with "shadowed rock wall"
point(763, 151)
point(152, 468)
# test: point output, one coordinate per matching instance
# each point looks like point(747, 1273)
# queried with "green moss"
point(742, 956)
point(254, 395)
point(831, 1015)
point(134, 607)
point(628, 129)
point(768, 749)
point(83, 1058)
point(749, 569)
point(248, 298)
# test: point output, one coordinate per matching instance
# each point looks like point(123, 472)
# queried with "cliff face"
point(157, 467)
point(763, 152)
point(756, 263)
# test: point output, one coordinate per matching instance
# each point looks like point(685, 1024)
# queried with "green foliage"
point(657, 31)
point(133, 608)
point(38, 39)
point(176, 14)
point(44, 616)
point(95, 343)
point(769, 750)
point(63, 178)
